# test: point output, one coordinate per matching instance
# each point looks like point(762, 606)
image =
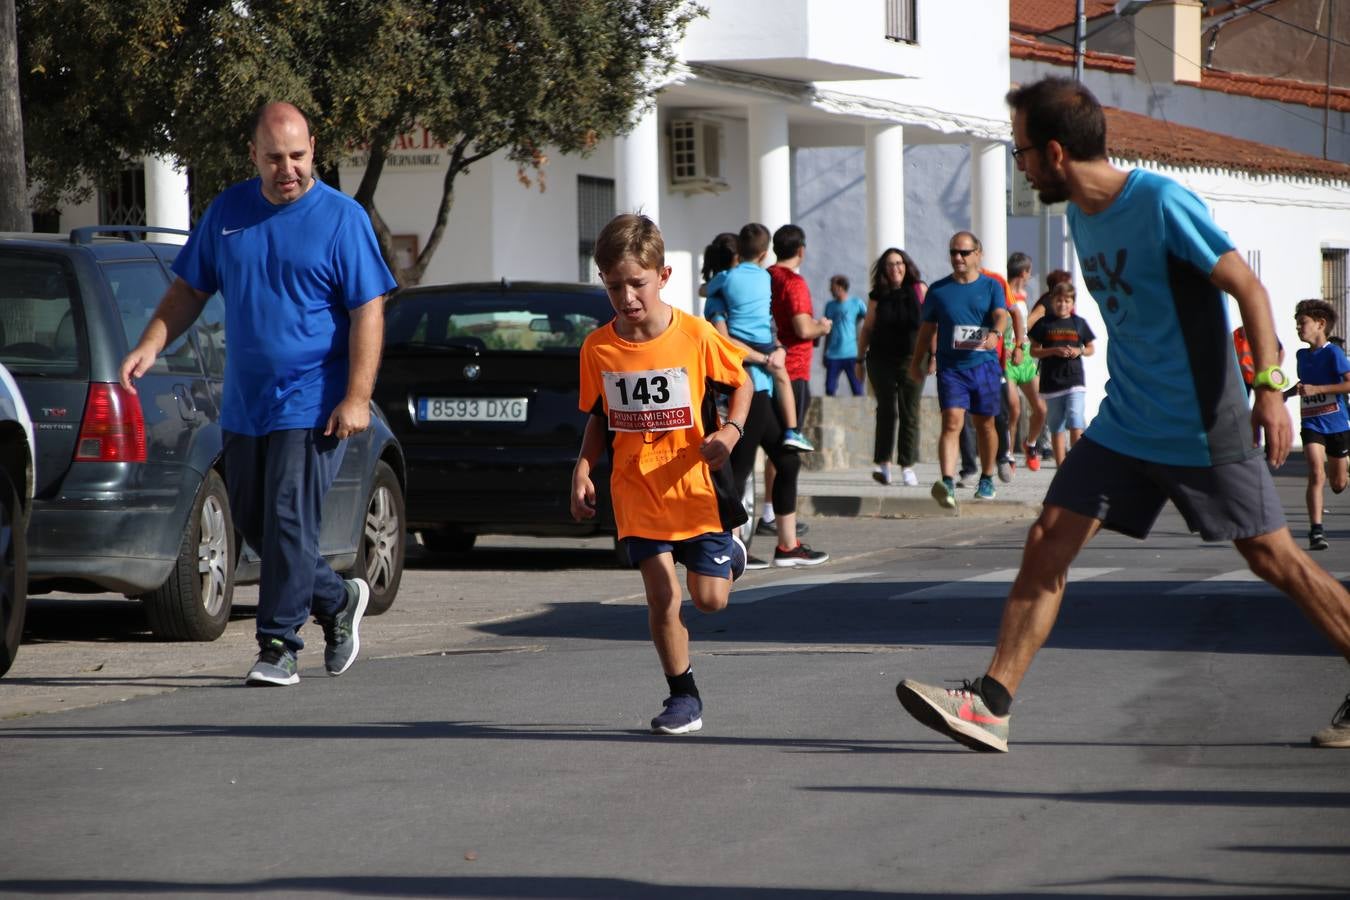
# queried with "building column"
point(885, 167)
point(637, 165)
point(989, 202)
point(166, 197)
point(770, 165)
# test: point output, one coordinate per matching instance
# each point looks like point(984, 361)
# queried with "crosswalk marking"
point(994, 583)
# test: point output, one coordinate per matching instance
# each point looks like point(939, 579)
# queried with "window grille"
point(595, 207)
point(900, 21)
point(1334, 287)
point(123, 201)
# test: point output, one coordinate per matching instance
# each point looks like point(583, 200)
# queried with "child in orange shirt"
point(649, 379)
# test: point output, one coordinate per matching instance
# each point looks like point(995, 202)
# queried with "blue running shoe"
point(944, 495)
point(683, 715)
point(985, 489)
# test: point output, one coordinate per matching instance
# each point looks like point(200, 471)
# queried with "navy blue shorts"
point(707, 554)
point(978, 389)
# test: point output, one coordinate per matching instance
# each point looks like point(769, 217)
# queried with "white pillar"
point(770, 165)
point(989, 202)
point(166, 197)
point(885, 166)
point(637, 163)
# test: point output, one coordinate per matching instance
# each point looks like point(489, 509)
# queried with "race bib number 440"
point(654, 400)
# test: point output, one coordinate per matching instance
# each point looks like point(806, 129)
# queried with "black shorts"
point(1226, 502)
point(1337, 443)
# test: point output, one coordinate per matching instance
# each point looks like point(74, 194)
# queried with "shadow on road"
point(1218, 617)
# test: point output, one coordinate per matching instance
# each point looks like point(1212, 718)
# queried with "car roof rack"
point(85, 234)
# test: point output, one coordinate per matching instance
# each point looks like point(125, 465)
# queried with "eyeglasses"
point(1018, 151)
point(954, 251)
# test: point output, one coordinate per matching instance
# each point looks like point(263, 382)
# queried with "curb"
point(912, 507)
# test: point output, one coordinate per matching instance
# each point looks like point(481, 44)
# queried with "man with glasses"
point(1174, 425)
point(968, 312)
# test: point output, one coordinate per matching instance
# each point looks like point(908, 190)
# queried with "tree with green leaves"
point(104, 81)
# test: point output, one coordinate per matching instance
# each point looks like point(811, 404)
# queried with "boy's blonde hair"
point(630, 234)
point(1064, 289)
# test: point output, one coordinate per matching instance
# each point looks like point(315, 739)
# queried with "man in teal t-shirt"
point(1174, 425)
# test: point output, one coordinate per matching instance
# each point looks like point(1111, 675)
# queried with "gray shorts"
point(1226, 502)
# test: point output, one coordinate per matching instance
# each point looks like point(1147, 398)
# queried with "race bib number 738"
point(651, 400)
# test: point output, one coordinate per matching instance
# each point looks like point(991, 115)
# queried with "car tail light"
point(113, 429)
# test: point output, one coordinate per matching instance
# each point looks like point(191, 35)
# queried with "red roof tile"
point(1040, 16)
point(1281, 90)
point(1131, 136)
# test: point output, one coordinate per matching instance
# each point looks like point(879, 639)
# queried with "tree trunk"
point(14, 212)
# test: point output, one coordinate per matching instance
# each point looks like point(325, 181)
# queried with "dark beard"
point(1055, 192)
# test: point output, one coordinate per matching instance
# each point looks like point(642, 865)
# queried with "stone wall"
point(843, 428)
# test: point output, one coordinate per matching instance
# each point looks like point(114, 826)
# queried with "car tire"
point(193, 603)
point(448, 540)
point(379, 554)
point(13, 572)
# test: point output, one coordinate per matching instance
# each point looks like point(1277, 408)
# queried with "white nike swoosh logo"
point(721, 559)
point(225, 231)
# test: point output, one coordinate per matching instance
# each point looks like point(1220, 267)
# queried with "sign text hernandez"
point(413, 151)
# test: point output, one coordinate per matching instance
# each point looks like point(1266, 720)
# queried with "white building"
point(812, 111)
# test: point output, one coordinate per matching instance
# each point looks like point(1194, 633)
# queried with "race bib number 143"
point(652, 400)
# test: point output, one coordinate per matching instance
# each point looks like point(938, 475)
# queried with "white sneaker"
point(908, 477)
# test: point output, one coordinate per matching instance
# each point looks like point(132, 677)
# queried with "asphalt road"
point(1159, 746)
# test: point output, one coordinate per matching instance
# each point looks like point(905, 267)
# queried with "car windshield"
point(495, 320)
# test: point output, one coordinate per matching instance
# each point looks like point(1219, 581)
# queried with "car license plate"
point(472, 409)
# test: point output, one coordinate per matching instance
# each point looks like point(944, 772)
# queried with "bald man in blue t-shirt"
point(303, 282)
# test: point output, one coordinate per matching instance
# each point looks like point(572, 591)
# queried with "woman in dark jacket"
point(885, 345)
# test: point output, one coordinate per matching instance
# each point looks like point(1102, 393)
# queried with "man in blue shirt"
point(303, 282)
point(967, 311)
point(1174, 424)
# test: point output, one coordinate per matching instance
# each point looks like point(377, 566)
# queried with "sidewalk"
point(853, 492)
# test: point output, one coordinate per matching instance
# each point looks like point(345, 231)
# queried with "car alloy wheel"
point(379, 559)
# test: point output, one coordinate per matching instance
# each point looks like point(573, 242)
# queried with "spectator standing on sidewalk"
point(305, 339)
point(1022, 377)
point(1060, 340)
point(967, 311)
point(841, 348)
point(737, 304)
point(1174, 424)
point(886, 344)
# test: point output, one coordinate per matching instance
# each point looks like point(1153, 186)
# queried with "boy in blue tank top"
point(1323, 382)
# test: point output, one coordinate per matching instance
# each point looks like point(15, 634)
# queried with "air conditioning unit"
point(696, 151)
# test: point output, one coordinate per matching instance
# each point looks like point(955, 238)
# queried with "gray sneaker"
point(342, 633)
point(1337, 734)
point(959, 713)
point(275, 665)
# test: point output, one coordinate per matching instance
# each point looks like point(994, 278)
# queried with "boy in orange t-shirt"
point(650, 380)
